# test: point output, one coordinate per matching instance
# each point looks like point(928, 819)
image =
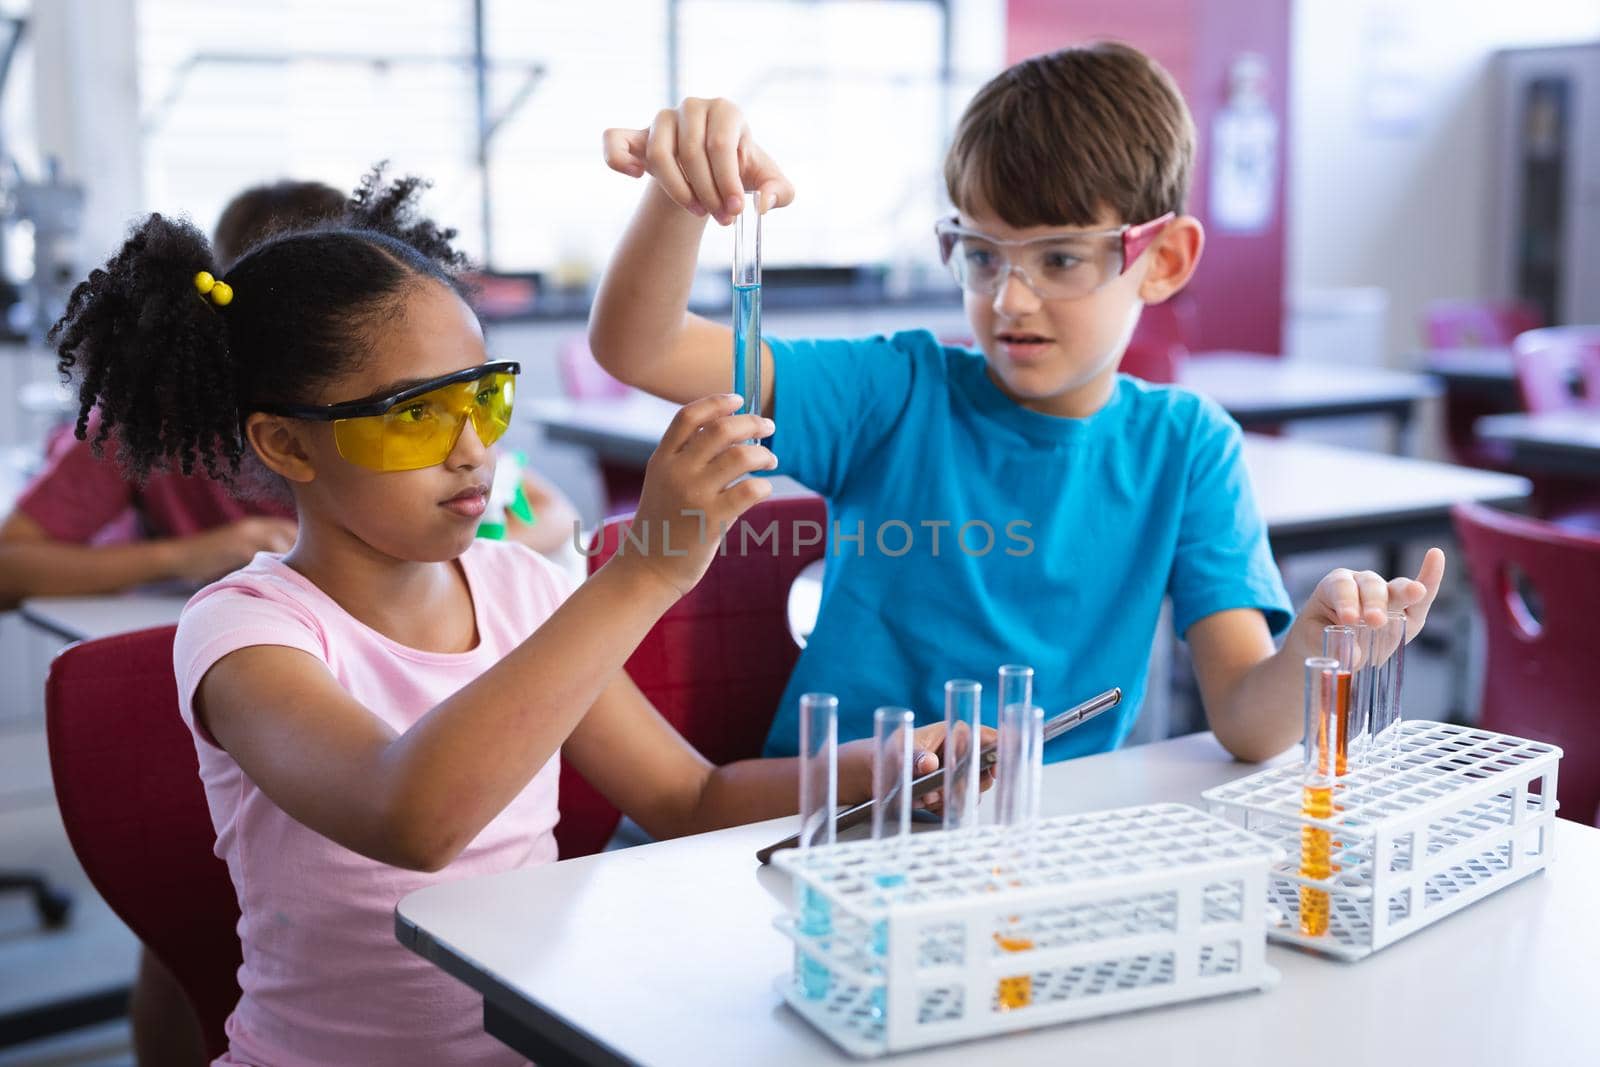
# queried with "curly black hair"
point(172, 376)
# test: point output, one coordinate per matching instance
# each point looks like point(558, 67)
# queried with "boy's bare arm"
point(700, 158)
point(1253, 694)
point(640, 328)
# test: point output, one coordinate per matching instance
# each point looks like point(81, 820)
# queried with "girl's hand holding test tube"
point(694, 489)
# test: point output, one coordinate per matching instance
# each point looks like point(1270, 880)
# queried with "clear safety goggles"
point(1056, 266)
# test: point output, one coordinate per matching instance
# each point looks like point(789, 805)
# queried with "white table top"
point(1577, 430)
point(666, 954)
point(1488, 365)
point(1305, 488)
point(1253, 387)
point(1556, 442)
point(82, 618)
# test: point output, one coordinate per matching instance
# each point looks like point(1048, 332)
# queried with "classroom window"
point(234, 93)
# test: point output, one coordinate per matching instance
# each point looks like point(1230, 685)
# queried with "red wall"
point(1237, 293)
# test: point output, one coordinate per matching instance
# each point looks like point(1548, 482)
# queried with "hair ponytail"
point(152, 355)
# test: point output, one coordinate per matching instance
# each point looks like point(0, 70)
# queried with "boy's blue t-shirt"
point(1086, 522)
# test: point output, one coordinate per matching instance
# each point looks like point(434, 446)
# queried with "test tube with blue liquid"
point(747, 304)
point(892, 759)
point(819, 805)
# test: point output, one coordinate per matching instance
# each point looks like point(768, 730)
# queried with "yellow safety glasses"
point(419, 425)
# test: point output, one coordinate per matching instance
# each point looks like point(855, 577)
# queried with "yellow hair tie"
point(221, 293)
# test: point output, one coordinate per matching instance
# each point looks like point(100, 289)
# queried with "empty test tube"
point(1316, 795)
point(1363, 686)
point(892, 730)
point(962, 702)
point(747, 305)
point(1016, 687)
point(819, 804)
point(1389, 662)
point(1020, 764)
point(891, 819)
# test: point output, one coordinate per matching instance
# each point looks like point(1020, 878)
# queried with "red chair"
point(128, 785)
point(1552, 367)
point(1558, 369)
point(1160, 342)
point(715, 664)
point(1537, 586)
point(1477, 323)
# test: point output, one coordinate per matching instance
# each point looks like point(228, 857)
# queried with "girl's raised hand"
point(693, 490)
point(703, 157)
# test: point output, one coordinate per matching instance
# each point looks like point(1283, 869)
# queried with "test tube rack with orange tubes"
point(1102, 912)
point(1449, 815)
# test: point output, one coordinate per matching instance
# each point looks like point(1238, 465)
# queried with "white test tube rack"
point(1124, 909)
point(1440, 818)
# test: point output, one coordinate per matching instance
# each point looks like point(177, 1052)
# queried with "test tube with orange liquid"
point(1342, 643)
point(1017, 776)
point(1321, 768)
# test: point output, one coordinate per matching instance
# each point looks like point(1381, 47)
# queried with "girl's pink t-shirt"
point(324, 981)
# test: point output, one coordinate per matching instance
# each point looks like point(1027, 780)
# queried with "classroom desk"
point(664, 955)
point(1262, 390)
point(1312, 496)
point(1557, 442)
point(1488, 370)
point(84, 618)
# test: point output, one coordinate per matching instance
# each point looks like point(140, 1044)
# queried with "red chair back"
point(715, 665)
point(128, 785)
point(1159, 343)
point(1542, 673)
point(1477, 323)
point(1552, 367)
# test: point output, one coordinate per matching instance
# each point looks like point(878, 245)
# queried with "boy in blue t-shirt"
point(1024, 503)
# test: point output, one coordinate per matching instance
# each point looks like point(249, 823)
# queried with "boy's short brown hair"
point(262, 210)
point(1059, 138)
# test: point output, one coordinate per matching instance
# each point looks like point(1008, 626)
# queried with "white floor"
point(37, 966)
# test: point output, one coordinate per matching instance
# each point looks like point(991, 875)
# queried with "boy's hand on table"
point(1346, 597)
point(701, 154)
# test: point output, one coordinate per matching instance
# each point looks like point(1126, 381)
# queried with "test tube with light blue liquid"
point(819, 804)
point(963, 700)
point(892, 758)
point(747, 304)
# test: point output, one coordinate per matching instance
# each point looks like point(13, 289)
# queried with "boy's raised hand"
point(1346, 597)
point(703, 157)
